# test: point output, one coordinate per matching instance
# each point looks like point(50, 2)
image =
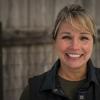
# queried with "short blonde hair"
point(77, 16)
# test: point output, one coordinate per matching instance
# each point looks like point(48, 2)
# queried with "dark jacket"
point(46, 86)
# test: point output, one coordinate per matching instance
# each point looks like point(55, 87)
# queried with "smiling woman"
point(74, 49)
point(73, 76)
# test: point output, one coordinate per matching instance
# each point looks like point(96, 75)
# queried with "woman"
point(73, 76)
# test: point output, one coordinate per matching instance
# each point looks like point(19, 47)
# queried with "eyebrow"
point(83, 33)
point(65, 33)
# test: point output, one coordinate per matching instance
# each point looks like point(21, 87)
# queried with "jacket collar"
point(50, 80)
point(91, 73)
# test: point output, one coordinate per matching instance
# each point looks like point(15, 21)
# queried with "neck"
point(72, 74)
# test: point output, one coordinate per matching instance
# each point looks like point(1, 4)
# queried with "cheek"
point(88, 48)
point(61, 46)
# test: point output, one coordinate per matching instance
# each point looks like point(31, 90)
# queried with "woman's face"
point(73, 46)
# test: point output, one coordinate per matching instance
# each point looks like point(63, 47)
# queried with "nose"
point(75, 44)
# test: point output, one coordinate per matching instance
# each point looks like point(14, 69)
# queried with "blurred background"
point(25, 40)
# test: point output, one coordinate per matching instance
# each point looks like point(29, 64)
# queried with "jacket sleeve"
point(25, 94)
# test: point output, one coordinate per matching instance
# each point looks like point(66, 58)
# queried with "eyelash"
point(66, 37)
point(81, 38)
point(84, 38)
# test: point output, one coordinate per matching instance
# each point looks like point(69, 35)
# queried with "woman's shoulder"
point(25, 94)
point(34, 82)
point(38, 78)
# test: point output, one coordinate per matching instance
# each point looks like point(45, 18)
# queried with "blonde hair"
point(77, 17)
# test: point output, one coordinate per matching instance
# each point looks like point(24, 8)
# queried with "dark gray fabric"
point(47, 87)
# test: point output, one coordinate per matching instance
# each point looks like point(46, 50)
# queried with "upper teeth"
point(74, 55)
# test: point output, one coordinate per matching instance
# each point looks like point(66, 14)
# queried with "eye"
point(84, 38)
point(67, 37)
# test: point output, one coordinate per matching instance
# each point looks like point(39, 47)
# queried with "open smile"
point(73, 55)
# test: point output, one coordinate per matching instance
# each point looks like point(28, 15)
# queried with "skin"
point(74, 48)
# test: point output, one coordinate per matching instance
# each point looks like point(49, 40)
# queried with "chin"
point(76, 66)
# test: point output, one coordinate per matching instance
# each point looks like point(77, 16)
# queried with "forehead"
point(69, 27)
